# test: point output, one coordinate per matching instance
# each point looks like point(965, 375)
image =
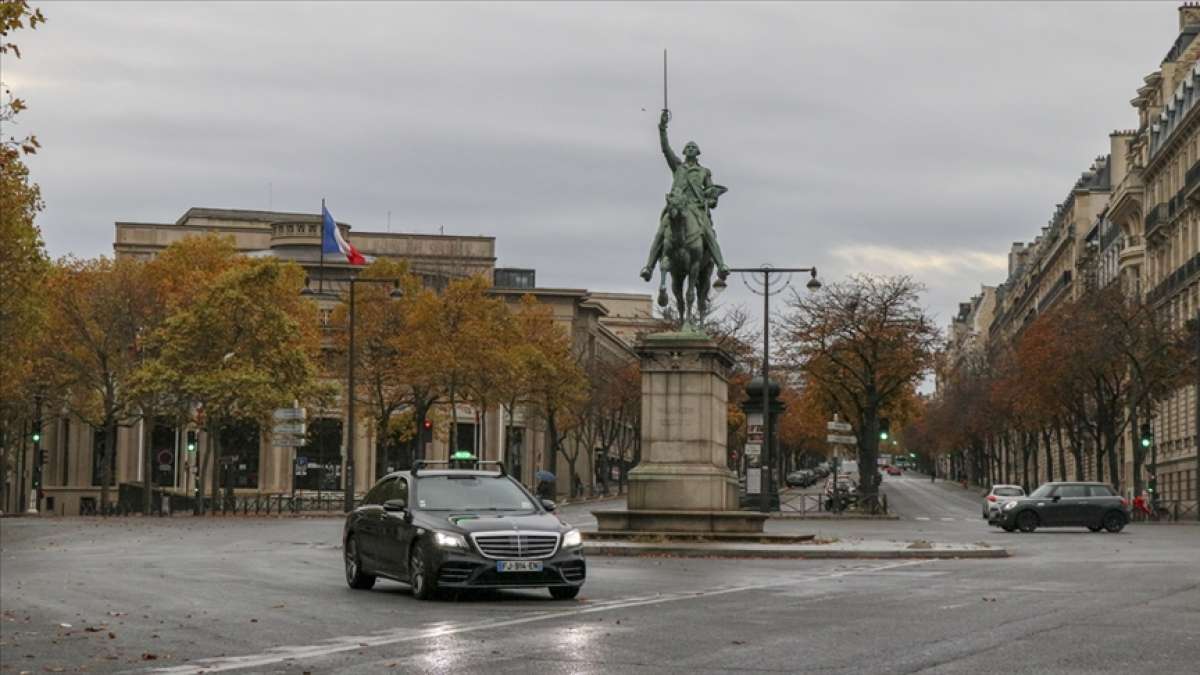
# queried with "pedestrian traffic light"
point(884, 428)
point(191, 441)
point(1147, 435)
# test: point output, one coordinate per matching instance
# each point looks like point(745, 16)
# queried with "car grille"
point(516, 545)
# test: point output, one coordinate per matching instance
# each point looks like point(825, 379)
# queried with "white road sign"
point(288, 440)
point(840, 439)
point(838, 426)
point(753, 481)
point(292, 427)
point(283, 414)
point(753, 449)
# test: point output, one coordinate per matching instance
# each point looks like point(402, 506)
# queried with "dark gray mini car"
point(1092, 505)
point(460, 529)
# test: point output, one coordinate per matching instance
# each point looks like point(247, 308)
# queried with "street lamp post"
point(348, 500)
point(766, 288)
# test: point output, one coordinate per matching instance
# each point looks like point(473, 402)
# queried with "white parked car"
point(997, 497)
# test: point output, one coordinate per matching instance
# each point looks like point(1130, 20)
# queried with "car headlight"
point(449, 540)
point(1009, 506)
point(572, 538)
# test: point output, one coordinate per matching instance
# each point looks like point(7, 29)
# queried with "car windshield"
point(1008, 492)
point(1042, 492)
point(470, 493)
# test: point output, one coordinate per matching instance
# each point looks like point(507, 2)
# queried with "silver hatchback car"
point(997, 497)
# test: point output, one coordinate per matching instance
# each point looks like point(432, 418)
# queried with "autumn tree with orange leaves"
point(865, 343)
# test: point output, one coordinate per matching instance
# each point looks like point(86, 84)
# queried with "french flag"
point(332, 240)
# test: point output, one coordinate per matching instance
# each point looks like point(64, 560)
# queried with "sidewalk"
point(818, 550)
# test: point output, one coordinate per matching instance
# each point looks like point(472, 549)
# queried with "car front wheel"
point(355, 577)
point(424, 587)
point(1114, 522)
point(564, 592)
point(1027, 521)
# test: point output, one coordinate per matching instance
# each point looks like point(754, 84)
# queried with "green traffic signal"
point(191, 447)
point(463, 456)
point(1145, 442)
point(37, 437)
point(883, 435)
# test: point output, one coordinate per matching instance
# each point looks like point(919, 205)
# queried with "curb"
point(849, 516)
point(797, 553)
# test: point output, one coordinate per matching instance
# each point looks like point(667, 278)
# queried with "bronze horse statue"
point(688, 261)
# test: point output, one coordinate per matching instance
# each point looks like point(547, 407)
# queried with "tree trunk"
point(1062, 454)
point(106, 473)
point(214, 440)
point(453, 421)
point(147, 462)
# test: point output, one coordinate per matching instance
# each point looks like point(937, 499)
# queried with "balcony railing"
point(1155, 217)
point(1192, 181)
point(1176, 280)
point(1055, 291)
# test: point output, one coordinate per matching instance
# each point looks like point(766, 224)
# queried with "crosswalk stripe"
point(922, 518)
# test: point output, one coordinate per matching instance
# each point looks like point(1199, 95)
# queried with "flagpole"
point(321, 282)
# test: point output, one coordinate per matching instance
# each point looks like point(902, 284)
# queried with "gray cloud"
point(919, 138)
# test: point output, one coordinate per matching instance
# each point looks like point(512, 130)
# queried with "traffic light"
point(884, 428)
point(1147, 435)
point(191, 442)
point(36, 437)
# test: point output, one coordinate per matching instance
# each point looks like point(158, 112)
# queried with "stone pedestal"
point(682, 483)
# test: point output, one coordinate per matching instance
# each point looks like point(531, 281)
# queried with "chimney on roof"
point(1189, 14)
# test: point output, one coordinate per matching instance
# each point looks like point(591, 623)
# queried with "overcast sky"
point(888, 138)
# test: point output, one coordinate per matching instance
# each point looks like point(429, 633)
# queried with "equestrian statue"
point(686, 244)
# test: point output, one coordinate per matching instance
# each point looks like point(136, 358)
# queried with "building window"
point(319, 461)
point(515, 452)
point(394, 454)
point(98, 460)
point(465, 438)
point(240, 445)
point(164, 453)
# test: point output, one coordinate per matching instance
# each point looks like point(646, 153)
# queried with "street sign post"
point(840, 439)
point(838, 426)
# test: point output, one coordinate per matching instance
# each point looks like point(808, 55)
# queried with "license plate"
point(518, 566)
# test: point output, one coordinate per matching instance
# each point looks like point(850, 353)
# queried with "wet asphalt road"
point(267, 595)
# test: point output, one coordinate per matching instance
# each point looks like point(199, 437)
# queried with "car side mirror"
point(1056, 498)
point(395, 505)
point(549, 505)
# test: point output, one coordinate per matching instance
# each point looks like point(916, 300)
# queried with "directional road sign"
point(838, 426)
point(840, 439)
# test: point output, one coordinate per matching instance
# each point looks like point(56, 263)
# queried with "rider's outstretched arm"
point(672, 159)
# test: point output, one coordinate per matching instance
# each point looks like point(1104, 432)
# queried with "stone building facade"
point(1132, 219)
point(602, 327)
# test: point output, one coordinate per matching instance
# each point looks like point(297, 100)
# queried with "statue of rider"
point(693, 184)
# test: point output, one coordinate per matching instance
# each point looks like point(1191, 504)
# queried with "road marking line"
point(356, 642)
point(922, 518)
point(947, 519)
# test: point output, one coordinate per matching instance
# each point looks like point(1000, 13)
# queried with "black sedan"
point(1092, 505)
point(460, 529)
